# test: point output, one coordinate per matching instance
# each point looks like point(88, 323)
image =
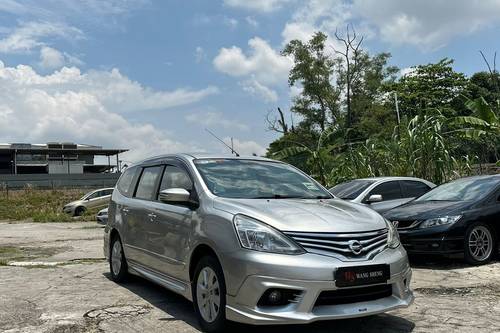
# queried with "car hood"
point(333, 215)
point(73, 203)
point(422, 210)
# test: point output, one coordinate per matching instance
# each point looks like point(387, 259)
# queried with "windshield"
point(86, 196)
point(461, 190)
point(351, 189)
point(248, 179)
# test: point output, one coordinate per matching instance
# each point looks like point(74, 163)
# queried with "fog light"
point(279, 297)
point(274, 297)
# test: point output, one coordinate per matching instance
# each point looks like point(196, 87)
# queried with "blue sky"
point(151, 75)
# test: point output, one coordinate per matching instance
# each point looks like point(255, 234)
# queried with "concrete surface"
point(61, 284)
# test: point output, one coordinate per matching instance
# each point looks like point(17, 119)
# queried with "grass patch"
point(13, 253)
point(41, 205)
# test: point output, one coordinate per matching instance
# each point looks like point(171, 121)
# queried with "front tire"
point(79, 211)
point(117, 262)
point(209, 295)
point(480, 244)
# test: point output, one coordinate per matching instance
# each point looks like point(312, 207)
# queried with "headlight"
point(255, 235)
point(440, 221)
point(392, 235)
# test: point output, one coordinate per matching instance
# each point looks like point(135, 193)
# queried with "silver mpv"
point(253, 240)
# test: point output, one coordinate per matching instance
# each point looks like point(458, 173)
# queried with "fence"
point(52, 181)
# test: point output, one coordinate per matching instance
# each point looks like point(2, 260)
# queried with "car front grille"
point(352, 246)
point(353, 295)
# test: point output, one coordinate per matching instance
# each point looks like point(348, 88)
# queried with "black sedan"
point(462, 216)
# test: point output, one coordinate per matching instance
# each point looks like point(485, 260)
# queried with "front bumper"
point(102, 219)
point(243, 306)
point(431, 241)
point(69, 210)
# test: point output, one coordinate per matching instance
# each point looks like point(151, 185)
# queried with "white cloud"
point(264, 6)
point(215, 119)
point(254, 87)
point(28, 36)
point(199, 54)
point(231, 22)
point(244, 148)
point(406, 71)
point(113, 90)
point(262, 67)
point(252, 22)
point(51, 58)
point(263, 62)
point(317, 15)
point(71, 106)
point(428, 24)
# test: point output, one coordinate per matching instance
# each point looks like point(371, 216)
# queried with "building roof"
point(58, 147)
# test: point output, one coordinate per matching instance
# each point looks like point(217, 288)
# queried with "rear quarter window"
point(124, 184)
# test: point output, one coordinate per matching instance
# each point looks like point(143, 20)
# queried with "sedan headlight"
point(392, 235)
point(256, 235)
point(440, 221)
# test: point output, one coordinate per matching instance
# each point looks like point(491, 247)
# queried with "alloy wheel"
point(208, 294)
point(116, 257)
point(480, 243)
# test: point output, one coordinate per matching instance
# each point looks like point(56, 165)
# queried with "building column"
point(15, 162)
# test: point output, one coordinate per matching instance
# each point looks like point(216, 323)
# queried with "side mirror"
point(374, 198)
point(171, 195)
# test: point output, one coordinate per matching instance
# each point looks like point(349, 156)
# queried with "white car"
point(382, 193)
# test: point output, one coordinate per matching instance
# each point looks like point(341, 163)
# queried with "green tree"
point(431, 86)
point(318, 103)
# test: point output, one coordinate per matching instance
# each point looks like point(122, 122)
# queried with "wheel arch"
point(199, 252)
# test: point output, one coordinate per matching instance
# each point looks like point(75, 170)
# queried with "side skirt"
point(163, 280)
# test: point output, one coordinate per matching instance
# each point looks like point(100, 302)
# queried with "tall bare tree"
point(350, 55)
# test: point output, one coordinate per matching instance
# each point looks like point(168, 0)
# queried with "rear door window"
point(146, 188)
point(413, 188)
point(389, 190)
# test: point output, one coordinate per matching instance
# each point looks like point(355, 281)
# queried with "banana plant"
point(317, 155)
point(481, 122)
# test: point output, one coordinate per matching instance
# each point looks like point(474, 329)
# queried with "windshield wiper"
point(280, 196)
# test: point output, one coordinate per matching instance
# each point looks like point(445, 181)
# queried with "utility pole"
point(397, 112)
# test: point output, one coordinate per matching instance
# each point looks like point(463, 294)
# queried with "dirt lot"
point(60, 283)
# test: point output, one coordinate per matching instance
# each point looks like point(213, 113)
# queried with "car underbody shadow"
point(177, 307)
point(440, 262)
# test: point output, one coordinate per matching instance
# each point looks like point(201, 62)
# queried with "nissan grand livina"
point(253, 240)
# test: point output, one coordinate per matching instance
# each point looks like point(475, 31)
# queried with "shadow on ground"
point(440, 262)
point(176, 307)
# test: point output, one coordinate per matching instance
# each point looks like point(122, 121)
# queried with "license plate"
point(362, 275)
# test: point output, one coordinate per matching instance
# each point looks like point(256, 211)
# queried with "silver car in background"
point(253, 240)
point(95, 199)
point(382, 193)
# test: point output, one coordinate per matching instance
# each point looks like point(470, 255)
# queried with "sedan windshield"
point(465, 189)
point(351, 189)
point(250, 179)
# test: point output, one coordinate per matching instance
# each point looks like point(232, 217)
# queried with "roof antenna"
point(225, 144)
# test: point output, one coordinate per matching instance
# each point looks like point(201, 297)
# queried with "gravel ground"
point(60, 283)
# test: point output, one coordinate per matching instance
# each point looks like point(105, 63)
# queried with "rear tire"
point(480, 244)
point(209, 295)
point(117, 263)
